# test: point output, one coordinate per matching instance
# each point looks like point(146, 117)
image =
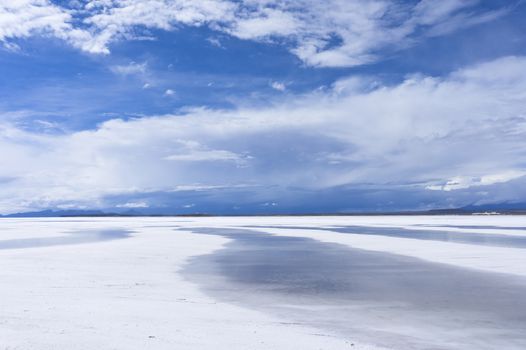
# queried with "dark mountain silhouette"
point(500, 208)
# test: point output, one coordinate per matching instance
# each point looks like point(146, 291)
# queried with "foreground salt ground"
point(165, 283)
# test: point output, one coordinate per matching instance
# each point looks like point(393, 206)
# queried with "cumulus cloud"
point(113, 20)
point(25, 18)
point(276, 85)
point(322, 33)
point(465, 130)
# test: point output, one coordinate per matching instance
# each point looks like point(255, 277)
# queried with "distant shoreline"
point(401, 213)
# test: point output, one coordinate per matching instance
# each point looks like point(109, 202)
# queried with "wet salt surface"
point(484, 227)
point(380, 298)
point(74, 237)
point(493, 240)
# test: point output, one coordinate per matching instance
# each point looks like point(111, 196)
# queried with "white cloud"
point(193, 151)
point(276, 85)
point(19, 19)
point(130, 69)
point(351, 32)
point(264, 22)
point(25, 18)
point(113, 20)
point(199, 156)
point(169, 92)
point(466, 129)
point(215, 42)
point(463, 182)
point(321, 33)
point(133, 205)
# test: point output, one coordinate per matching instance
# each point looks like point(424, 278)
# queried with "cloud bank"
point(332, 33)
point(462, 132)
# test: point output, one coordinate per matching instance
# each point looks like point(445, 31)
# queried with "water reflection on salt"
point(386, 299)
point(494, 240)
point(74, 237)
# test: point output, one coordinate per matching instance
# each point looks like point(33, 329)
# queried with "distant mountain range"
point(500, 208)
point(55, 213)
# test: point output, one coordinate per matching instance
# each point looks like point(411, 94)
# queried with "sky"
point(261, 106)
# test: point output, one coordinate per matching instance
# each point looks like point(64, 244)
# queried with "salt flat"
point(371, 282)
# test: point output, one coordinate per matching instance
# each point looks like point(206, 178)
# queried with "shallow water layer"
point(484, 227)
point(73, 237)
point(380, 298)
point(493, 240)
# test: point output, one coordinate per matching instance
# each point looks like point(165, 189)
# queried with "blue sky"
point(179, 106)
